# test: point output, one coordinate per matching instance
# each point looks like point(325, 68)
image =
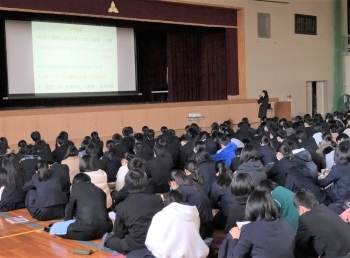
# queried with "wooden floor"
point(29, 240)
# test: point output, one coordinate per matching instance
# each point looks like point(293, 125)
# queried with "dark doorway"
point(314, 98)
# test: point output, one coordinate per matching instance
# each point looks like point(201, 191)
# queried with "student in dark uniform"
point(88, 205)
point(263, 101)
point(133, 216)
point(29, 161)
point(45, 199)
point(62, 144)
point(12, 179)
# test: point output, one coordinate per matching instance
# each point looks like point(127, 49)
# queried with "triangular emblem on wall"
point(113, 9)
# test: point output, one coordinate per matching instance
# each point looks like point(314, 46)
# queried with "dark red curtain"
point(197, 65)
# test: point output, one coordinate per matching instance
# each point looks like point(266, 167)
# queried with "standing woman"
point(12, 179)
point(263, 101)
point(45, 199)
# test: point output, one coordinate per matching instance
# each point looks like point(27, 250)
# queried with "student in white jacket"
point(174, 232)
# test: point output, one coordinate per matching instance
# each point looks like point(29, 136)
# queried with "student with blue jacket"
point(227, 152)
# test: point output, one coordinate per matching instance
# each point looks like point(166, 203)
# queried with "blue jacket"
point(226, 154)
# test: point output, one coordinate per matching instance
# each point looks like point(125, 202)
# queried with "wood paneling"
point(158, 118)
point(109, 122)
point(19, 128)
point(51, 125)
point(81, 124)
point(135, 118)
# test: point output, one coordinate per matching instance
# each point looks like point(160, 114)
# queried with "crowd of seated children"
point(290, 155)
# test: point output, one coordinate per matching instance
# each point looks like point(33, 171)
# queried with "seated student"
point(4, 142)
point(192, 173)
point(193, 195)
point(318, 133)
point(235, 162)
point(21, 149)
point(251, 164)
point(119, 147)
point(265, 236)
point(37, 137)
point(321, 232)
point(43, 150)
point(265, 153)
point(145, 151)
point(196, 146)
point(62, 144)
point(308, 127)
point(242, 186)
point(83, 145)
point(186, 149)
point(166, 232)
point(172, 146)
point(71, 159)
point(112, 161)
point(92, 150)
point(206, 167)
point(159, 169)
point(221, 196)
point(123, 170)
point(210, 145)
point(96, 139)
point(98, 176)
point(284, 200)
point(149, 139)
point(285, 163)
point(243, 132)
point(127, 140)
point(338, 177)
point(139, 150)
point(45, 199)
point(327, 141)
point(29, 161)
point(303, 161)
point(87, 205)
point(227, 152)
point(133, 216)
point(12, 179)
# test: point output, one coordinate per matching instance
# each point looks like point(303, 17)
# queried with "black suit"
point(45, 200)
point(88, 205)
point(321, 232)
point(159, 169)
point(133, 218)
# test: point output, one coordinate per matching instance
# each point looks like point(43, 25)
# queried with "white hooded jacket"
point(174, 233)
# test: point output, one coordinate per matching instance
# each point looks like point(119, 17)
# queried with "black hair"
point(59, 140)
point(35, 136)
point(242, 184)
point(300, 135)
point(266, 94)
point(43, 170)
point(192, 167)
point(342, 155)
point(138, 137)
point(214, 126)
point(204, 135)
point(224, 140)
point(292, 145)
point(72, 151)
point(3, 149)
point(64, 136)
point(306, 198)
point(341, 137)
point(318, 128)
point(92, 149)
point(136, 181)
point(138, 148)
point(199, 144)
point(40, 145)
point(327, 137)
point(265, 140)
point(224, 178)
point(126, 132)
point(22, 146)
point(117, 138)
point(248, 153)
point(285, 151)
point(128, 156)
point(238, 152)
point(202, 154)
point(180, 178)
point(163, 129)
point(3, 141)
point(282, 134)
point(81, 177)
point(13, 176)
point(261, 205)
point(94, 136)
point(86, 164)
point(174, 196)
point(308, 121)
point(150, 134)
point(144, 129)
point(159, 151)
point(137, 163)
point(111, 152)
point(30, 149)
point(266, 185)
point(84, 143)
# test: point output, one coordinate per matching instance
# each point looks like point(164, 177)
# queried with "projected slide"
point(69, 58)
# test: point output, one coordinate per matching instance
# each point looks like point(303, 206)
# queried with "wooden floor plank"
point(39, 243)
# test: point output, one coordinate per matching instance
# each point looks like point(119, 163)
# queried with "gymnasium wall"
point(284, 63)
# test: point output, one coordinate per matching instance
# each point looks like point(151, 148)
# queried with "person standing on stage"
point(263, 101)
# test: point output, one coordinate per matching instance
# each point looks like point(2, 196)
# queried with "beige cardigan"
point(99, 178)
point(73, 164)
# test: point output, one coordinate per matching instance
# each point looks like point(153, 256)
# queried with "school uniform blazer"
point(321, 232)
point(88, 205)
point(261, 239)
point(134, 216)
point(159, 170)
point(224, 196)
point(210, 146)
point(237, 212)
point(28, 163)
point(254, 168)
point(266, 154)
point(340, 176)
point(99, 178)
point(173, 147)
point(186, 152)
point(63, 172)
point(112, 166)
point(235, 162)
point(48, 193)
point(120, 149)
point(278, 173)
point(128, 142)
point(309, 131)
point(196, 197)
point(60, 151)
point(12, 196)
point(207, 169)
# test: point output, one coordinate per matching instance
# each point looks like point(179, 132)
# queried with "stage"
point(18, 124)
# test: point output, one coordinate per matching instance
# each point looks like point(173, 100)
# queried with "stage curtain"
point(197, 65)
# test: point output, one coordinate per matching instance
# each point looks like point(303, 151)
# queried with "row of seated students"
point(142, 165)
